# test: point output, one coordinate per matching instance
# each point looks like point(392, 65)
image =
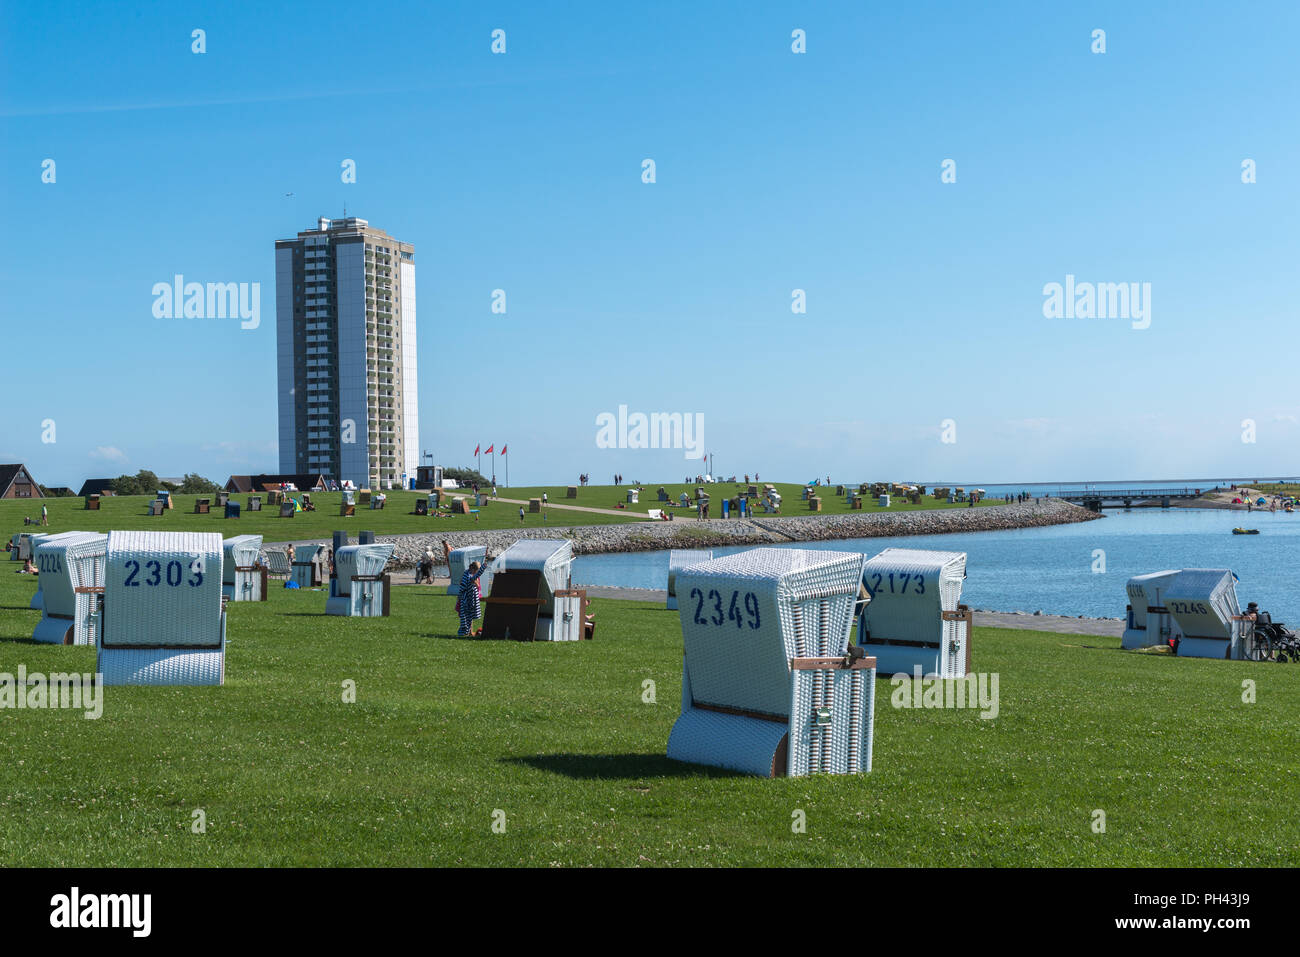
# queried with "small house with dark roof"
point(17, 482)
point(102, 486)
point(262, 483)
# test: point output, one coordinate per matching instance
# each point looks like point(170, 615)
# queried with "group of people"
point(43, 520)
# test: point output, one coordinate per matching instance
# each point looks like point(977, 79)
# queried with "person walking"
point(521, 515)
point(424, 571)
point(45, 515)
point(468, 602)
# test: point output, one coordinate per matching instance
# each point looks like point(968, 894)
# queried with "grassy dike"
point(398, 518)
point(129, 512)
point(446, 732)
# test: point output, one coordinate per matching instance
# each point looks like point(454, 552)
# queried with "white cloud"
point(108, 453)
point(257, 452)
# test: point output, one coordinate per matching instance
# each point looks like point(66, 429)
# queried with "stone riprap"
point(688, 533)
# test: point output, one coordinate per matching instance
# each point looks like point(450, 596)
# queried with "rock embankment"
point(685, 533)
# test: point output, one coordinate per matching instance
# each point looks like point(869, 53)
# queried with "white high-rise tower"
point(345, 327)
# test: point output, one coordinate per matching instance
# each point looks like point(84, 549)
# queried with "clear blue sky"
point(775, 171)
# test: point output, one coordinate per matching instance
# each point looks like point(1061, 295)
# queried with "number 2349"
point(741, 611)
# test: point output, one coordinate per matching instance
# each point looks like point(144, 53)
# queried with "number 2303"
point(748, 614)
point(174, 575)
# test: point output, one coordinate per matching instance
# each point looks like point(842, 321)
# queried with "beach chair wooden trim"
point(740, 712)
point(831, 664)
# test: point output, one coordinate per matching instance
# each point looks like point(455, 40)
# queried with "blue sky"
point(775, 171)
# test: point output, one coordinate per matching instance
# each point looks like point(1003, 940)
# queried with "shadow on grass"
point(20, 641)
point(613, 767)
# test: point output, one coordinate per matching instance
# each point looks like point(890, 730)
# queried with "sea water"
point(1078, 569)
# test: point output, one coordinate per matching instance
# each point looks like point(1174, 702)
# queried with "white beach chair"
point(164, 621)
point(1203, 602)
point(767, 685)
point(678, 559)
point(914, 617)
point(530, 599)
point(32, 543)
point(243, 575)
point(1148, 620)
point(72, 585)
point(306, 571)
point(459, 562)
point(361, 587)
point(277, 564)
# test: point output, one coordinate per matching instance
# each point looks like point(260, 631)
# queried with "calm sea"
point(1051, 569)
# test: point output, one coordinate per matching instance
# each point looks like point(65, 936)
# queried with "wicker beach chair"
point(1203, 602)
point(768, 686)
point(27, 546)
point(361, 587)
point(34, 543)
point(914, 618)
point(459, 560)
point(307, 561)
point(277, 564)
point(164, 621)
point(72, 586)
point(678, 559)
point(243, 575)
point(523, 604)
point(1149, 622)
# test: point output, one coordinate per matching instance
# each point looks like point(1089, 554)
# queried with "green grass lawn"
point(1278, 488)
point(792, 503)
point(395, 518)
point(446, 732)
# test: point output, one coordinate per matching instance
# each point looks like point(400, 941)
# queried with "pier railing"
point(1120, 493)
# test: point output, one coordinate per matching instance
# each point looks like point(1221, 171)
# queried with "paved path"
point(624, 512)
point(1099, 627)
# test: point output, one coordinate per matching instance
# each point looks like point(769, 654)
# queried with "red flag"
point(503, 450)
point(476, 448)
point(488, 451)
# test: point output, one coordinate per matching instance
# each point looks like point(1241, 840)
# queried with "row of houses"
point(16, 481)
